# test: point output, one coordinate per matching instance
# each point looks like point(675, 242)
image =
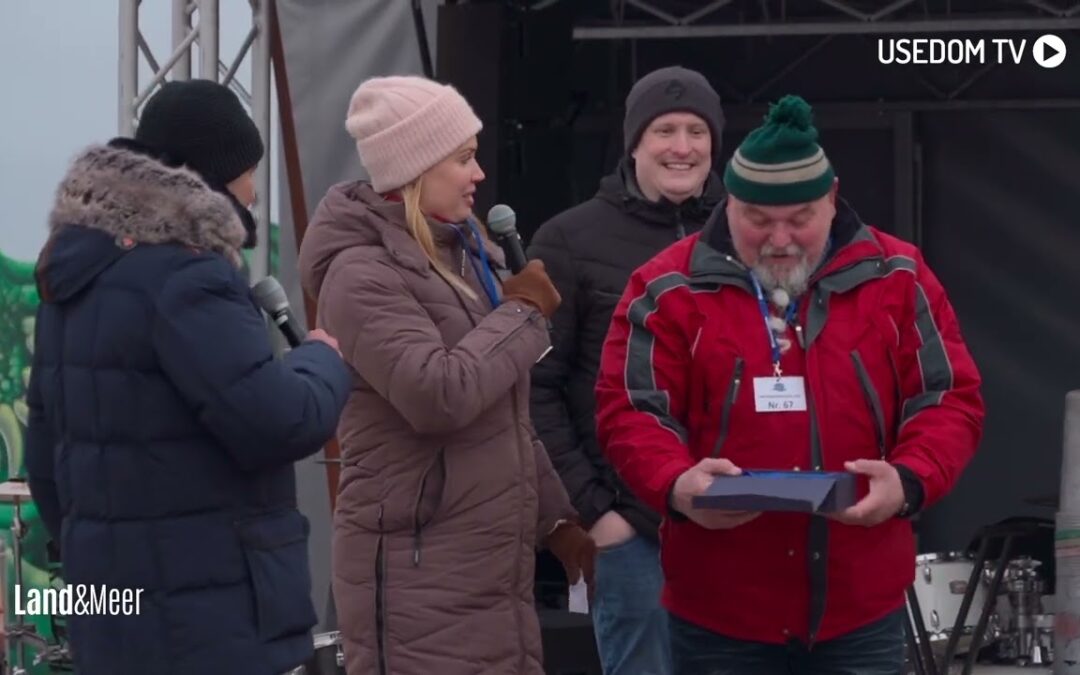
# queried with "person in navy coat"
point(163, 430)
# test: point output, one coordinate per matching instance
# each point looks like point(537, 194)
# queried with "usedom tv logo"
point(1048, 51)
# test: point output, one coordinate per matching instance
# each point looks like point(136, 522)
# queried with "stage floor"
point(1002, 670)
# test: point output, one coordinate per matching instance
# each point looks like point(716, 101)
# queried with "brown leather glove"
point(576, 550)
point(532, 285)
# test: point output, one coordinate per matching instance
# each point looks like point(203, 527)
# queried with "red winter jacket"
point(887, 376)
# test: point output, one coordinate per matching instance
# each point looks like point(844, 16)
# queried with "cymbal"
point(13, 491)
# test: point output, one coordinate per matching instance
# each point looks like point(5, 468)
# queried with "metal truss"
point(826, 19)
point(937, 92)
point(655, 19)
point(196, 22)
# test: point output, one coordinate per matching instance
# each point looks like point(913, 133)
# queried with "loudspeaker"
point(513, 65)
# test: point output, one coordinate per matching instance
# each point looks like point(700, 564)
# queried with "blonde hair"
point(420, 230)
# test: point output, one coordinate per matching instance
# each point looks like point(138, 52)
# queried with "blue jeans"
point(875, 649)
point(631, 627)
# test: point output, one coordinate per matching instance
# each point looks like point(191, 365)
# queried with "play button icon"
point(1049, 51)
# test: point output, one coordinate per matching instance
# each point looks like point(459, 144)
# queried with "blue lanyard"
point(788, 318)
point(483, 269)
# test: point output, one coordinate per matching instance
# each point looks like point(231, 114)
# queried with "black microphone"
point(271, 297)
point(502, 221)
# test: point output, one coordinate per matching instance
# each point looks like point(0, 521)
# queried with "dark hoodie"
point(589, 252)
point(162, 430)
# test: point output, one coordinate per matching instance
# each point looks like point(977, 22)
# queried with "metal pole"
point(161, 74)
point(260, 112)
point(421, 38)
point(298, 206)
point(974, 581)
point(19, 660)
point(917, 627)
point(129, 66)
point(181, 26)
point(208, 39)
point(991, 594)
point(852, 27)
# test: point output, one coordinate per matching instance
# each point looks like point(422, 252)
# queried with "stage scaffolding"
point(195, 23)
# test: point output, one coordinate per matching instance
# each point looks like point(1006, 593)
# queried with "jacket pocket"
point(729, 400)
point(428, 498)
point(873, 402)
point(275, 549)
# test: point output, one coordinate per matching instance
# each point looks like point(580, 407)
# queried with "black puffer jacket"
point(589, 252)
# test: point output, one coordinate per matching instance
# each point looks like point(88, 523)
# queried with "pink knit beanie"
point(404, 125)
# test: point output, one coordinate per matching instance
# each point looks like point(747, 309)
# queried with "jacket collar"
point(621, 190)
point(135, 198)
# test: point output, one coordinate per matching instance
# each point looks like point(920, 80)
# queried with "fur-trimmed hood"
point(133, 197)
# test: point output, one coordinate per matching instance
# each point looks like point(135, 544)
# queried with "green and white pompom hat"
point(781, 162)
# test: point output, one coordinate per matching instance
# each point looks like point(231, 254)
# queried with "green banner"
point(18, 304)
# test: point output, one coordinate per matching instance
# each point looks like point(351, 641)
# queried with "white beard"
point(794, 281)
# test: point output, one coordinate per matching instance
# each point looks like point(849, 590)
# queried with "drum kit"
point(18, 633)
point(1020, 627)
point(995, 611)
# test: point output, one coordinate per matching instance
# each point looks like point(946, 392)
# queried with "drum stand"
point(19, 632)
point(918, 640)
point(924, 662)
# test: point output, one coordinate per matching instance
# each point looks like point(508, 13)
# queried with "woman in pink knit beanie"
point(445, 490)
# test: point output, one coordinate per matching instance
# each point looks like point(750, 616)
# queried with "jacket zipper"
point(380, 599)
point(899, 395)
point(729, 400)
point(418, 527)
point(517, 329)
point(521, 529)
point(872, 400)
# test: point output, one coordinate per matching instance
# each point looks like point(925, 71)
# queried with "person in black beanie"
point(162, 429)
point(663, 189)
point(202, 125)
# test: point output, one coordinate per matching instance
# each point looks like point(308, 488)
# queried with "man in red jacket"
point(786, 286)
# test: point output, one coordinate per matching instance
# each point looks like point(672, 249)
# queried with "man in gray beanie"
point(663, 189)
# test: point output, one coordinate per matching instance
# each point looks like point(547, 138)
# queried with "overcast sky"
point(59, 74)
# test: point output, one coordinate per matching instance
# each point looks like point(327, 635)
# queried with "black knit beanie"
point(202, 125)
point(671, 89)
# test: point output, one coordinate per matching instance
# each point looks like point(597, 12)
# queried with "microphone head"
point(270, 295)
point(502, 220)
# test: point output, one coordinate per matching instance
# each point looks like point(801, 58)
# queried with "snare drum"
point(941, 579)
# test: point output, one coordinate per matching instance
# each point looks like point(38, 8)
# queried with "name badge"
point(779, 394)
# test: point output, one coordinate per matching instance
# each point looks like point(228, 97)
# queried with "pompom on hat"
point(780, 162)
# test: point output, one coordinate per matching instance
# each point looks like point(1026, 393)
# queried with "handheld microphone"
point(271, 297)
point(502, 222)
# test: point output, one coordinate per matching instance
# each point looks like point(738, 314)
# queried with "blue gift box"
point(798, 491)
